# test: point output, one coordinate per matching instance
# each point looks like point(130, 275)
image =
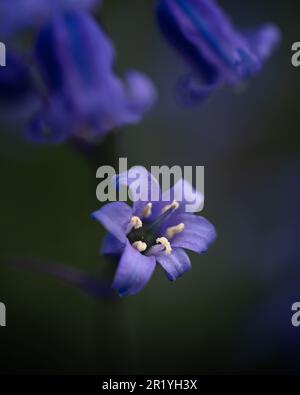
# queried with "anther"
point(173, 206)
point(147, 210)
point(174, 230)
point(136, 222)
point(165, 243)
point(140, 246)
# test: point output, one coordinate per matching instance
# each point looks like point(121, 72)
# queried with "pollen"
point(140, 246)
point(165, 243)
point(136, 222)
point(147, 210)
point(174, 230)
point(173, 206)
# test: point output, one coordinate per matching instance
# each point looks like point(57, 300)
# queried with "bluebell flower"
point(218, 53)
point(152, 232)
point(83, 96)
point(20, 14)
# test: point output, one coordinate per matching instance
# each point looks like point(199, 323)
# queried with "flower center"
point(145, 236)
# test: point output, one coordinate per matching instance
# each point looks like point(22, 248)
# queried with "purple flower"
point(83, 95)
point(207, 39)
point(19, 14)
point(152, 232)
point(16, 83)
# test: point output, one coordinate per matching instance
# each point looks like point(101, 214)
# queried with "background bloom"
point(152, 232)
point(16, 83)
point(268, 331)
point(35, 12)
point(83, 95)
point(217, 51)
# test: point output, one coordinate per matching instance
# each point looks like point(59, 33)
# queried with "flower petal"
point(206, 37)
point(182, 35)
point(88, 97)
point(140, 94)
point(115, 218)
point(183, 192)
point(36, 13)
point(134, 271)
point(175, 264)
point(263, 41)
point(191, 90)
point(15, 80)
point(142, 185)
point(112, 246)
point(198, 233)
point(51, 125)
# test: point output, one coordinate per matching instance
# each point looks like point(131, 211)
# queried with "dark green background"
point(248, 141)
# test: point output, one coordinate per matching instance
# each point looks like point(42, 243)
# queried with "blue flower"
point(152, 232)
point(83, 96)
point(20, 14)
point(207, 39)
point(16, 83)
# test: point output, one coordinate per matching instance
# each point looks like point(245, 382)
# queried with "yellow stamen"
point(147, 210)
point(174, 230)
point(136, 222)
point(165, 243)
point(174, 206)
point(140, 246)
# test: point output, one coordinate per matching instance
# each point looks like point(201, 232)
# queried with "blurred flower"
point(15, 80)
point(152, 232)
point(218, 53)
point(84, 97)
point(19, 14)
